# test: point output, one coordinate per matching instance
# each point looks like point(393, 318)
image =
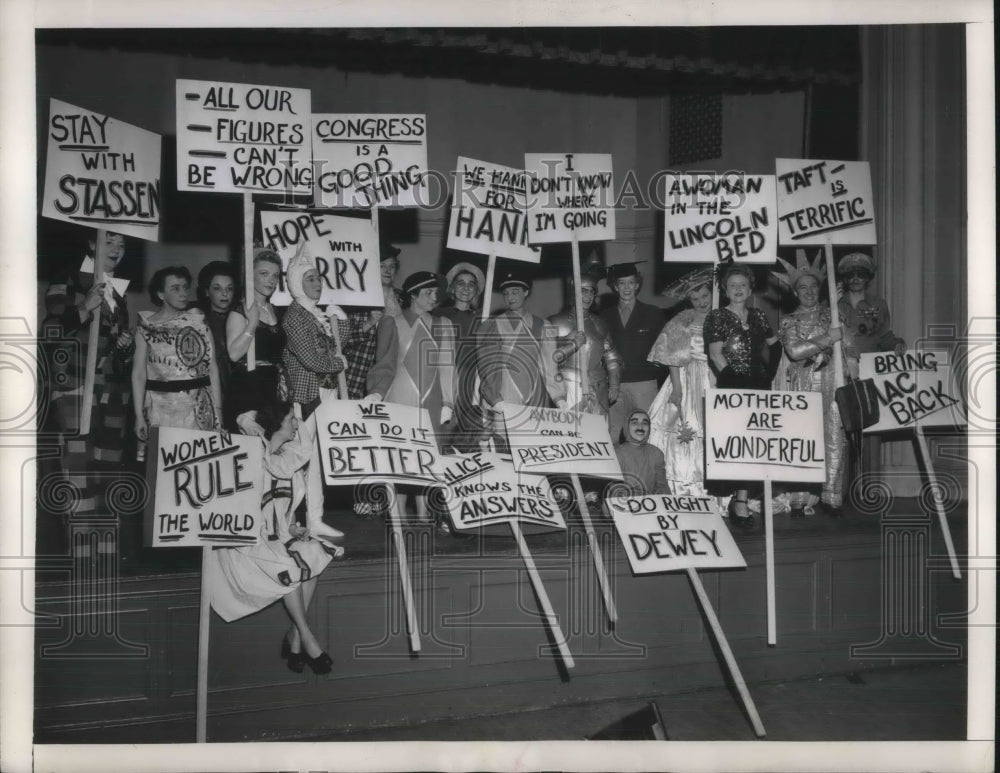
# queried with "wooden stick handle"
point(583, 353)
point(543, 597)
point(727, 653)
point(342, 376)
point(396, 514)
point(831, 286)
point(491, 269)
point(956, 571)
point(595, 550)
point(248, 292)
point(93, 336)
point(204, 621)
point(772, 623)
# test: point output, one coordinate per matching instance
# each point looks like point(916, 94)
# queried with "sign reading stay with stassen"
point(207, 488)
point(241, 138)
point(666, 533)
point(101, 172)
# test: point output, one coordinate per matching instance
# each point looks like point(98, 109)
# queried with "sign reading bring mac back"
point(824, 202)
point(364, 442)
point(666, 533)
point(758, 435)
point(101, 173)
point(206, 488)
point(913, 388)
point(238, 138)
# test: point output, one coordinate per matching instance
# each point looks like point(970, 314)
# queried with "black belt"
point(154, 385)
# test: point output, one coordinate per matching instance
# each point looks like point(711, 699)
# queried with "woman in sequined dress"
point(175, 380)
point(736, 337)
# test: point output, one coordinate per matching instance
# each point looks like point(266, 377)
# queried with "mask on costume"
point(637, 427)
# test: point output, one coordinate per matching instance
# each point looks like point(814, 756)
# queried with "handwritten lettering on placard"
point(487, 211)
point(345, 250)
point(569, 194)
point(237, 137)
point(101, 172)
point(729, 217)
point(370, 160)
point(915, 387)
point(206, 488)
point(758, 435)
point(824, 202)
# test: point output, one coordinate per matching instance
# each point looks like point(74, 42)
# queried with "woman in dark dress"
point(261, 325)
point(736, 337)
point(216, 293)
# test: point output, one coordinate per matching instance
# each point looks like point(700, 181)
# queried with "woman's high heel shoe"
point(296, 661)
point(743, 521)
point(321, 664)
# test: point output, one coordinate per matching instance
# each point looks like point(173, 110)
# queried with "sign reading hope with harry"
point(206, 488)
point(101, 172)
point(756, 435)
point(237, 137)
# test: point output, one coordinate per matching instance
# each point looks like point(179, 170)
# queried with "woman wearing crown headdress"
point(677, 415)
point(807, 338)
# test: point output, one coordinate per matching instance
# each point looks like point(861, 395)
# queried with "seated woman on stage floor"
point(643, 470)
point(287, 560)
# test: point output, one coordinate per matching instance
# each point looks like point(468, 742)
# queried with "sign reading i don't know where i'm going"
point(207, 488)
point(762, 435)
point(569, 195)
point(665, 533)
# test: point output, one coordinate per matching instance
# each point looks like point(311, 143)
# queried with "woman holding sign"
point(736, 336)
point(175, 381)
point(678, 412)
point(808, 337)
point(286, 561)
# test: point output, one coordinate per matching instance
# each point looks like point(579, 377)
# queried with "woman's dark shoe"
point(296, 662)
point(286, 648)
point(834, 512)
point(742, 521)
point(798, 512)
point(321, 664)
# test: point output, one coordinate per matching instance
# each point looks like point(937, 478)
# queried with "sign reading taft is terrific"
point(916, 387)
point(364, 442)
point(666, 533)
point(824, 202)
point(102, 173)
point(757, 435)
point(238, 138)
point(206, 488)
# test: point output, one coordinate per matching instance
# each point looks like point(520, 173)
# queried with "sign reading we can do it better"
point(569, 195)
point(758, 435)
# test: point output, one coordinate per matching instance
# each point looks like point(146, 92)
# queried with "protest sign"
point(487, 212)
point(548, 440)
point(915, 387)
point(369, 160)
point(666, 533)
point(484, 489)
point(242, 138)
point(758, 435)
point(824, 202)
point(720, 217)
point(101, 172)
point(345, 250)
point(361, 442)
point(207, 488)
point(570, 196)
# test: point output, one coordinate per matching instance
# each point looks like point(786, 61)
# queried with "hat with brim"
point(622, 270)
point(514, 279)
point(679, 290)
point(388, 251)
point(466, 268)
point(854, 261)
point(420, 280)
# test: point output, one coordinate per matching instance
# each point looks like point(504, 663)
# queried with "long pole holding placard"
point(93, 336)
point(595, 550)
point(204, 621)
point(396, 516)
point(491, 270)
point(543, 597)
point(341, 376)
point(248, 293)
point(942, 518)
point(583, 354)
point(727, 653)
point(768, 513)
point(831, 286)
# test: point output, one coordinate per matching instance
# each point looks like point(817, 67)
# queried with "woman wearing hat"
point(677, 415)
point(864, 315)
point(465, 286)
point(807, 338)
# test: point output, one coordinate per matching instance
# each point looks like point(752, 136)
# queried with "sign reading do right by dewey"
point(207, 488)
point(569, 194)
point(824, 202)
point(914, 387)
point(666, 533)
point(758, 435)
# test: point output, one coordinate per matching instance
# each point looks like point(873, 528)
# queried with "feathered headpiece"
point(677, 291)
point(803, 267)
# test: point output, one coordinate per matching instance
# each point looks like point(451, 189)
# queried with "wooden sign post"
point(917, 390)
point(207, 491)
point(483, 490)
point(756, 435)
point(664, 533)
